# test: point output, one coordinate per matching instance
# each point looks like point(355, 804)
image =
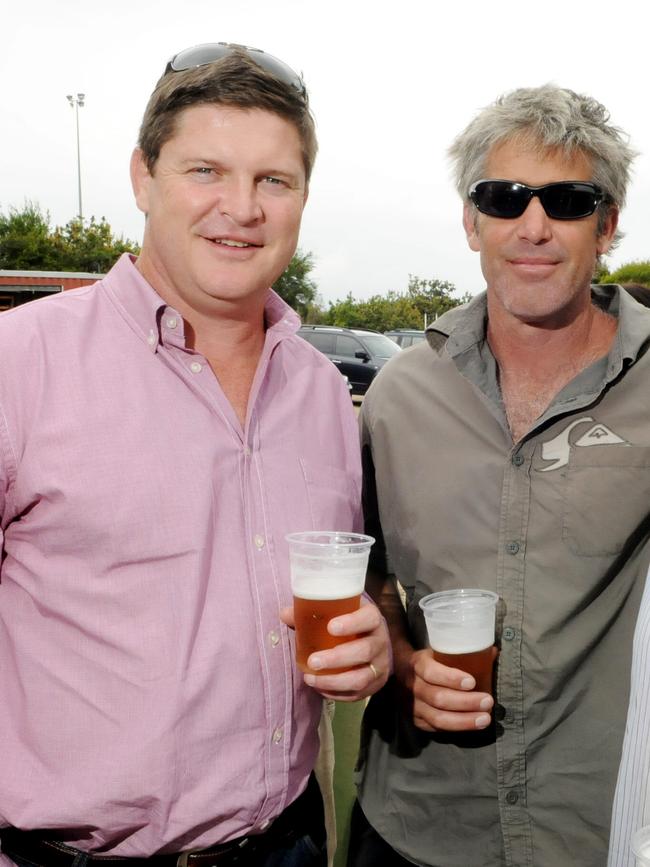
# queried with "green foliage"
point(29, 243)
point(631, 272)
point(396, 309)
point(296, 287)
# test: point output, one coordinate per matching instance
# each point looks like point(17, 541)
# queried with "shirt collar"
point(465, 326)
point(143, 308)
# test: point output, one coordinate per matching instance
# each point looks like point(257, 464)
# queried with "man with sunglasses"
point(160, 434)
point(511, 452)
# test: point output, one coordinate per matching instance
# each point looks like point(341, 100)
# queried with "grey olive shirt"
point(556, 524)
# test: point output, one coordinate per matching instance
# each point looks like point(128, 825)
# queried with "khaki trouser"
point(324, 771)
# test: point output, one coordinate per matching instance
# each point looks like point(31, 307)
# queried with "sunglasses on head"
point(209, 52)
point(564, 200)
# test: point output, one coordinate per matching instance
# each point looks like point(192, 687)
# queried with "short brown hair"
point(235, 80)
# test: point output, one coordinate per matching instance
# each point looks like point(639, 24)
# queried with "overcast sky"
point(390, 84)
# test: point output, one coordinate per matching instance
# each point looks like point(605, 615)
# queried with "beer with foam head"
point(328, 572)
point(460, 626)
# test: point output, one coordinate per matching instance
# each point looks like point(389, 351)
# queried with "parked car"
point(405, 337)
point(358, 353)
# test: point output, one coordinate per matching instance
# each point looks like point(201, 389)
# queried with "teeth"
point(229, 243)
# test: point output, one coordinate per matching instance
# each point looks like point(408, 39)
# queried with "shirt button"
point(508, 717)
point(259, 542)
point(512, 797)
point(151, 339)
point(518, 460)
point(195, 367)
point(512, 547)
point(274, 638)
point(277, 736)
point(508, 633)
point(172, 322)
point(265, 825)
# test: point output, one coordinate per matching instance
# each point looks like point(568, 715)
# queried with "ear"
point(140, 180)
point(470, 224)
point(605, 238)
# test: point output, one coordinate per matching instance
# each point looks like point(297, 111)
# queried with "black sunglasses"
point(209, 52)
point(564, 200)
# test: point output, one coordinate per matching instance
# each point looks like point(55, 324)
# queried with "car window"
point(320, 339)
point(380, 345)
point(346, 345)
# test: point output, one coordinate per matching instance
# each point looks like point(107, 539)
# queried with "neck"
point(565, 340)
point(535, 362)
point(214, 326)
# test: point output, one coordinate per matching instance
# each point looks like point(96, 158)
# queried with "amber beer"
point(328, 573)
point(311, 618)
point(478, 663)
point(460, 626)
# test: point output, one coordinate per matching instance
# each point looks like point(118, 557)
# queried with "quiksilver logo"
point(559, 448)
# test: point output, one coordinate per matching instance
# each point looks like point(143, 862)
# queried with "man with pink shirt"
point(160, 433)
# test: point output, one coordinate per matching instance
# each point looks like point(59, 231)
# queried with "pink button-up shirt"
point(149, 698)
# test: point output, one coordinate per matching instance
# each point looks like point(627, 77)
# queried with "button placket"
point(511, 746)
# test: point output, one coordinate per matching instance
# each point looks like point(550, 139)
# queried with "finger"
point(443, 699)
point(351, 654)
point(350, 685)
point(286, 616)
point(364, 619)
point(430, 670)
point(434, 719)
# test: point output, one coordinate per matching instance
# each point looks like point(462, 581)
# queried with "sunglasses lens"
point(501, 198)
point(569, 201)
point(199, 55)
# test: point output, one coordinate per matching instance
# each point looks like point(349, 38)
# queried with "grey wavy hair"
point(547, 118)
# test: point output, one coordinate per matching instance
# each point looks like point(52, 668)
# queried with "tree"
point(25, 242)
point(396, 309)
point(433, 297)
point(296, 287)
point(29, 243)
point(630, 272)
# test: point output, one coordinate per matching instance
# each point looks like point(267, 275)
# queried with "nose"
point(534, 225)
point(238, 199)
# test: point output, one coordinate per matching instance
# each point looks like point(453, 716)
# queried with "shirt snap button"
point(512, 547)
point(512, 797)
point(508, 633)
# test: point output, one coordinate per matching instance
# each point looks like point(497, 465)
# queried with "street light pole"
point(77, 102)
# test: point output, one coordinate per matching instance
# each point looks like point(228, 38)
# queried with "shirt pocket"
point(333, 495)
point(606, 497)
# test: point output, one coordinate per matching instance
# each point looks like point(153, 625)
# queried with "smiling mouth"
point(533, 262)
point(229, 242)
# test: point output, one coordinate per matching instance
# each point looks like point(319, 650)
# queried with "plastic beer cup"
point(328, 574)
point(641, 846)
point(460, 626)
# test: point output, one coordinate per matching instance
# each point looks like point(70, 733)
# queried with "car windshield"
point(380, 345)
